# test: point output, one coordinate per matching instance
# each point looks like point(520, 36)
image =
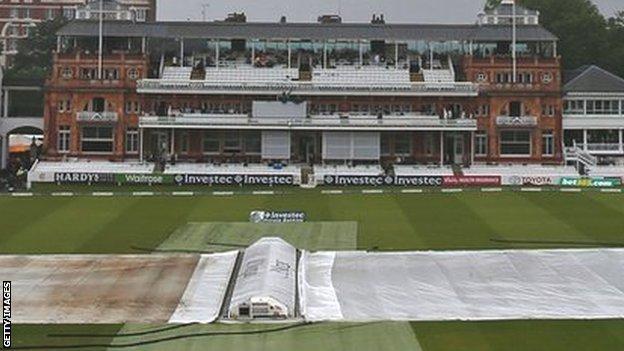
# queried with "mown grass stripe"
point(263, 192)
point(531, 190)
point(223, 193)
point(182, 193)
point(491, 190)
point(63, 194)
point(102, 193)
point(570, 190)
point(143, 193)
point(372, 191)
point(22, 194)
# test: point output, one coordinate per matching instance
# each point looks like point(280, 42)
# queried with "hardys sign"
point(232, 179)
point(595, 182)
point(84, 178)
point(276, 217)
point(345, 180)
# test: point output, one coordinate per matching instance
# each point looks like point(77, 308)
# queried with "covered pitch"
point(464, 285)
point(347, 286)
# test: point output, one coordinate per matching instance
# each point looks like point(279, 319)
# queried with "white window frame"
point(64, 139)
point(500, 143)
point(548, 144)
point(481, 144)
point(132, 141)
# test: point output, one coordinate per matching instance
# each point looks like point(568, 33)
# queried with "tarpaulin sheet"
point(204, 294)
point(467, 285)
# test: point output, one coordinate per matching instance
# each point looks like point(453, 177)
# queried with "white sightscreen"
point(463, 285)
point(276, 145)
point(351, 146)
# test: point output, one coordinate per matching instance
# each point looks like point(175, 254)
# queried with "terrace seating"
point(85, 166)
point(251, 75)
point(522, 170)
point(177, 73)
point(361, 76)
point(606, 171)
point(418, 170)
point(438, 76)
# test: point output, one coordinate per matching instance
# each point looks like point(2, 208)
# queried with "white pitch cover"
point(206, 290)
point(464, 285)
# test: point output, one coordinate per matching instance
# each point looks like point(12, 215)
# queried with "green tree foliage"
point(491, 4)
point(34, 57)
point(585, 36)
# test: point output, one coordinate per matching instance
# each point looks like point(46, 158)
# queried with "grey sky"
point(398, 11)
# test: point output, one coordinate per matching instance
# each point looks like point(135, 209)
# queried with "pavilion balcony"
point(520, 121)
point(161, 86)
point(314, 122)
point(88, 116)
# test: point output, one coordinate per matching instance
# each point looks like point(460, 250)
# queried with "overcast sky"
point(398, 11)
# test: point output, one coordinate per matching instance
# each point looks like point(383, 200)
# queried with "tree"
point(34, 57)
point(585, 36)
point(491, 4)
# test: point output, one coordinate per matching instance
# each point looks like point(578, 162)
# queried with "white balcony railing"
point(89, 116)
point(311, 123)
point(304, 87)
point(523, 121)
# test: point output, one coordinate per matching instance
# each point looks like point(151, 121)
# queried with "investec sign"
point(344, 180)
point(232, 179)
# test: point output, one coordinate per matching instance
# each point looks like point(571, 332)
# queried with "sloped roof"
point(592, 79)
point(312, 31)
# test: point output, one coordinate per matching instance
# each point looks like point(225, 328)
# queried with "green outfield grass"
point(470, 220)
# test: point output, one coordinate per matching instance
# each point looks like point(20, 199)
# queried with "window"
point(603, 107)
point(481, 144)
point(515, 143)
point(574, 107)
point(64, 105)
point(547, 78)
point(548, 110)
point(111, 74)
point(429, 144)
point(253, 143)
point(50, 15)
point(211, 143)
point(14, 13)
point(232, 142)
point(483, 110)
point(133, 107)
point(69, 13)
point(88, 73)
point(64, 139)
point(97, 139)
point(403, 144)
point(26, 13)
point(385, 145)
point(548, 143)
point(67, 73)
point(183, 142)
point(132, 140)
point(133, 74)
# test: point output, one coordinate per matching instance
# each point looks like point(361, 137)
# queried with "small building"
point(593, 114)
point(266, 282)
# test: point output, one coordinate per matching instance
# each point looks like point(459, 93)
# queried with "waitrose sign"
point(588, 182)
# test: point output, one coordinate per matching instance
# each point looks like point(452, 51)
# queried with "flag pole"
point(100, 39)
point(513, 42)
